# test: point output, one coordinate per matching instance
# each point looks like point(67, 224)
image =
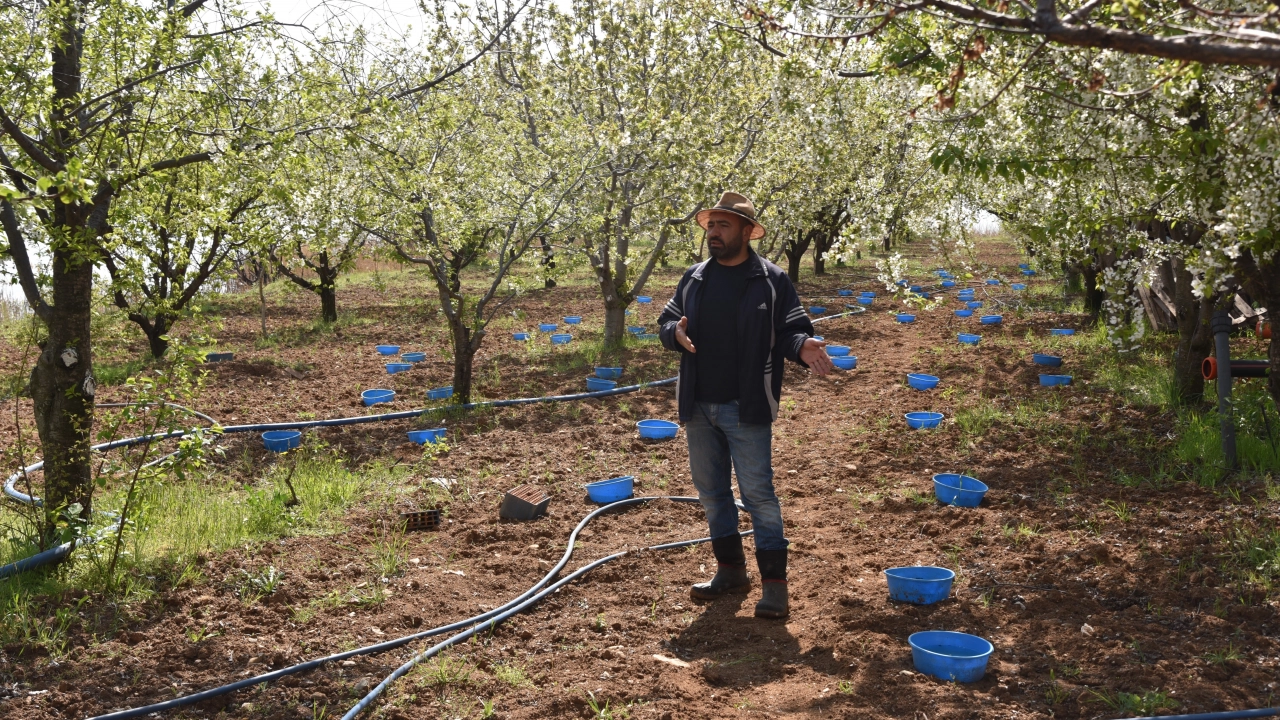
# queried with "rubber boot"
point(731, 574)
point(773, 582)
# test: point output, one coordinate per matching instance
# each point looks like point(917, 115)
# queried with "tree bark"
point(328, 303)
point(1195, 341)
point(795, 250)
point(615, 322)
point(463, 361)
point(155, 332)
point(1093, 296)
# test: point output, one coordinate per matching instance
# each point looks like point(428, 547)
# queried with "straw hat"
point(732, 202)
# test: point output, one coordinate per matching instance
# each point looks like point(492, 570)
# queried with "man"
point(733, 319)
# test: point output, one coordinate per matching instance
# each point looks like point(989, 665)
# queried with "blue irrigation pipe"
point(1220, 715)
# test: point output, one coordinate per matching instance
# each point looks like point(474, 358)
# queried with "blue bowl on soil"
point(958, 490)
point(520, 336)
point(573, 320)
point(837, 350)
point(901, 283)
point(969, 338)
point(919, 585)
point(845, 362)
point(388, 349)
point(923, 420)
point(844, 293)
point(948, 283)
point(644, 299)
point(561, 339)
point(611, 490)
point(993, 282)
point(281, 440)
point(974, 304)
point(393, 368)
point(950, 656)
point(422, 437)
point(906, 318)
point(965, 297)
point(1018, 286)
point(1024, 266)
point(214, 357)
point(1055, 380)
point(867, 293)
point(413, 357)
point(440, 393)
point(924, 295)
point(635, 329)
point(377, 395)
point(657, 429)
point(920, 381)
point(1062, 331)
point(866, 300)
point(547, 327)
point(609, 373)
point(964, 313)
point(817, 309)
point(1028, 273)
point(646, 336)
point(595, 384)
point(914, 288)
point(1046, 360)
point(992, 319)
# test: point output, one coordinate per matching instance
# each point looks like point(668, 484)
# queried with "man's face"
point(726, 235)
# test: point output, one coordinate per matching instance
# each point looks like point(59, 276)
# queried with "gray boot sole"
point(703, 591)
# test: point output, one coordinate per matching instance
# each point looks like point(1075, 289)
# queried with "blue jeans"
point(715, 438)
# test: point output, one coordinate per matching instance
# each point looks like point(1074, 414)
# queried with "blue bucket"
point(547, 327)
point(1062, 331)
point(573, 320)
point(657, 429)
point(611, 490)
point(1055, 380)
point(842, 292)
point(968, 338)
point(561, 339)
point(906, 318)
point(378, 395)
point(1046, 360)
point(609, 373)
point(281, 440)
point(866, 300)
point(964, 313)
point(214, 357)
point(919, 585)
point(644, 299)
point(595, 384)
point(1018, 286)
point(440, 393)
point(635, 329)
point(647, 336)
point(1028, 273)
point(993, 282)
point(914, 288)
point(393, 368)
point(992, 319)
point(958, 490)
point(520, 336)
point(923, 420)
point(867, 293)
point(837, 350)
point(948, 283)
point(920, 381)
point(422, 437)
point(817, 309)
point(388, 349)
point(1023, 266)
point(413, 357)
point(950, 656)
point(974, 304)
point(845, 362)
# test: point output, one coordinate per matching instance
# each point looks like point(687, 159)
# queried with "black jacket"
point(771, 325)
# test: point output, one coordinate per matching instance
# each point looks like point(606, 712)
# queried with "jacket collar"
point(754, 261)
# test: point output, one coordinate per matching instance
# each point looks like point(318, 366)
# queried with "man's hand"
point(682, 335)
point(814, 354)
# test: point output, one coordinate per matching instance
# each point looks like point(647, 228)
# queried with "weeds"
point(1147, 703)
point(1223, 656)
point(254, 586)
point(512, 674)
point(1121, 510)
point(1055, 693)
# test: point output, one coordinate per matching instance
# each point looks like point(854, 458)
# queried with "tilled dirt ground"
point(1081, 602)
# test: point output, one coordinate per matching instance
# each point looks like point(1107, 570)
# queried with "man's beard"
point(728, 249)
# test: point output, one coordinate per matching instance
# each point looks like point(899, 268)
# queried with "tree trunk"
point(62, 386)
point(1195, 341)
point(328, 302)
point(794, 250)
point(819, 261)
point(262, 298)
point(615, 323)
point(463, 358)
point(155, 332)
point(1093, 296)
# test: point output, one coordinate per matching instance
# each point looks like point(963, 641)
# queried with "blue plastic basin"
point(920, 381)
point(609, 373)
point(547, 327)
point(440, 393)
point(817, 309)
point(923, 420)
point(561, 339)
point(413, 357)
point(1018, 286)
point(281, 440)
point(573, 320)
point(919, 585)
point(964, 313)
point(1028, 273)
point(595, 384)
point(635, 329)
point(958, 490)
point(647, 336)
point(837, 350)
point(842, 292)
point(948, 283)
point(950, 656)
point(1023, 266)
point(657, 429)
point(1046, 360)
point(993, 282)
point(1055, 380)
point(388, 349)
point(422, 437)
point(214, 357)
point(866, 300)
point(968, 338)
point(914, 288)
point(992, 319)
point(845, 362)
point(644, 299)
point(867, 293)
point(906, 318)
point(974, 304)
point(520, 336)
point(611, 490)
point(393, 368)
point(377, 395)
point(1062, 331)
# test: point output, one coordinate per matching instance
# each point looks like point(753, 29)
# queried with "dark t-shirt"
point(717, 341)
